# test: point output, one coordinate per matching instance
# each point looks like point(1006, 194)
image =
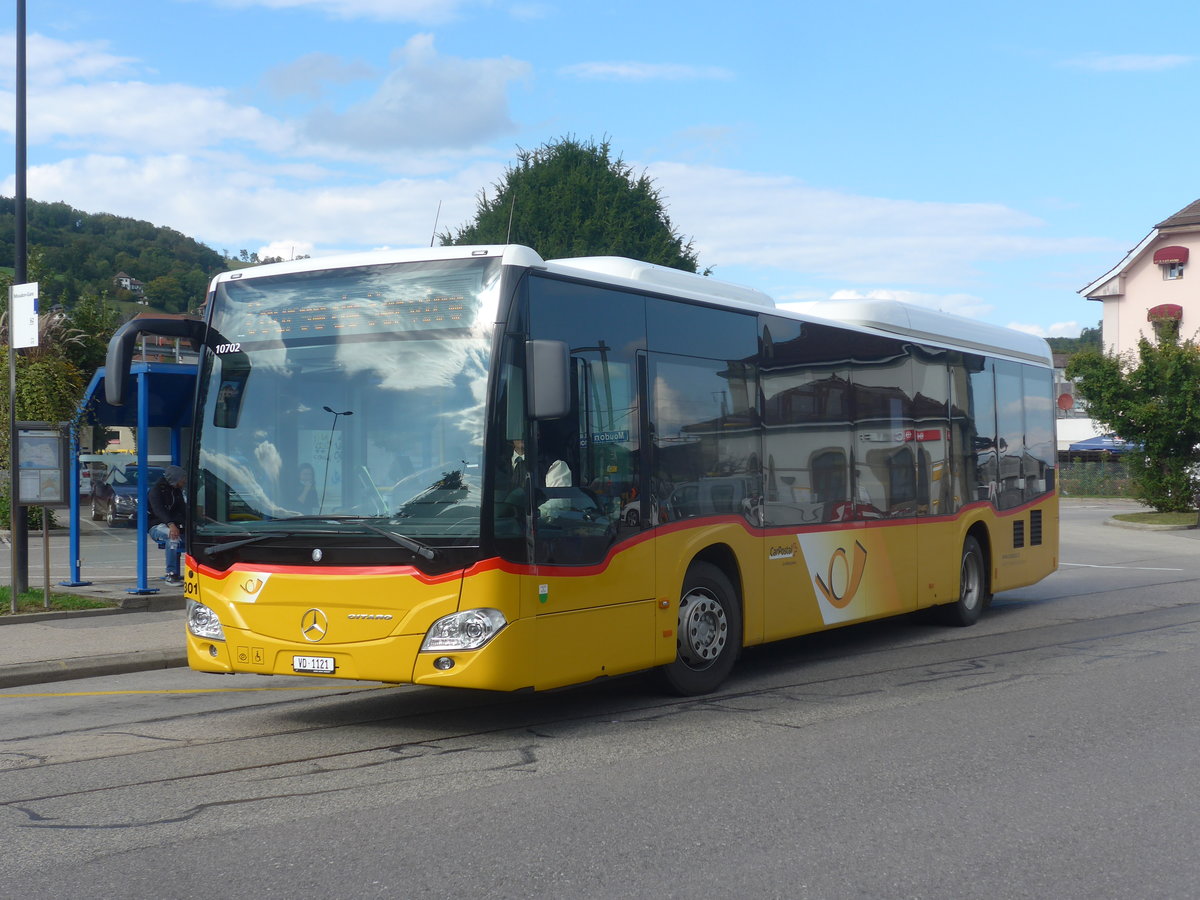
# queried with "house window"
point(1172, 271)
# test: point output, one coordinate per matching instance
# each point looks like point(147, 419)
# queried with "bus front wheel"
point(709, 635)
point(972, 588)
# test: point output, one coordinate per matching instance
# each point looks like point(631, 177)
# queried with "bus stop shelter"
point(158, 395)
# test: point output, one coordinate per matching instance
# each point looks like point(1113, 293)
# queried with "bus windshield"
point(347, 401)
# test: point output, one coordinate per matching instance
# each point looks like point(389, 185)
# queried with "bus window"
point(595, 496)
point(706, 439)
point(1010, 434)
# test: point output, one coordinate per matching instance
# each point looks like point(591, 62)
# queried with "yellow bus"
point(473, 467)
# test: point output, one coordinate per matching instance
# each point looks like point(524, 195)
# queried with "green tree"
point(572, 198)
point(49, 385)
point(1151, 398)
point(95, 320)
point(166, 293)
point(1089, 339)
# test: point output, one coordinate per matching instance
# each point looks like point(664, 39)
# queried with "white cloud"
point(116, 116)
point(427, 102)
point(286, 249)
point(75, 100)
point(1058, 329)
point(49, 61)
point(639, 71)
point(774, 221)
point(308, 75)
point(440, 110)
point(232, 203)
point(1130, 62)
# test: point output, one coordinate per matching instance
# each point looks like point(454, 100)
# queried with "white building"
point(1152, 282)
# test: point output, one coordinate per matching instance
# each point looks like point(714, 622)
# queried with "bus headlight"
point(203, 622)
point(467, 630)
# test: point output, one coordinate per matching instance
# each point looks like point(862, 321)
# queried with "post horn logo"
point(314, 625)
point(852, 573)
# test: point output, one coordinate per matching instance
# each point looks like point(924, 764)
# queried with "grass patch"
point(34, 600)
point(1157, 518)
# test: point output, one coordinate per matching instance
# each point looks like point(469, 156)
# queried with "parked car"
point(115, 498)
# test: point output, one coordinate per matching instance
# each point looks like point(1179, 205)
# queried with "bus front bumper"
point(501, 664)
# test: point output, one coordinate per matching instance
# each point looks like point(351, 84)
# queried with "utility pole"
point(20, 535)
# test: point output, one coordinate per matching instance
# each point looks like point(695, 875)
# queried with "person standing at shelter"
point(168, 511)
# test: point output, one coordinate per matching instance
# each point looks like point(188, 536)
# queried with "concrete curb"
point(1144, 526)
point(49, 615)
point(134, 604)
point(90, 667)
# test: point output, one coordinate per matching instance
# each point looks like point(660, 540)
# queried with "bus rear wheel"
point(972, 588)
point(709, 635)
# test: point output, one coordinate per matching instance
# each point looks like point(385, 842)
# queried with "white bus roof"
point(675, 281)
point(923, 324)
point(887, 316)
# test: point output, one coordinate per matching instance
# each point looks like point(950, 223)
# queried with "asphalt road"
point(1049, 751)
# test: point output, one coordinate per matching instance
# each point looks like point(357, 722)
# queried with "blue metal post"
point(143, 422)
point(73, 547)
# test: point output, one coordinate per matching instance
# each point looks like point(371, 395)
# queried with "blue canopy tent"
point(1102, 442)
point(158, 395)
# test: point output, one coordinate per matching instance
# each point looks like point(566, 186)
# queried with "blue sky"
point(984, 159)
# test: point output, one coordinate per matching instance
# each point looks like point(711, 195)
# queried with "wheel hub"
point(703, 629)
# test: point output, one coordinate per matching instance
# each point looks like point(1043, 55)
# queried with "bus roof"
point(923, 324)
point(676, 281)
point(888, 316)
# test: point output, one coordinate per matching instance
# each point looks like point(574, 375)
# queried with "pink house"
point(1155, 280)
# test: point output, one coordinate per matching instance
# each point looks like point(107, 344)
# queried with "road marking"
point(1133, 568)
point(338, 687)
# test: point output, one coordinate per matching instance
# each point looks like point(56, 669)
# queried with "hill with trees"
point(79, 254)
point(1089, 339)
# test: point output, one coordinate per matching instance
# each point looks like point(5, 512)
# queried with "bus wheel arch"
point(974, 593)
point(709, 629)
point(983, 538)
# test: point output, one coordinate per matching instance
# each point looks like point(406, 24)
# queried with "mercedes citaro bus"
point(470, 466)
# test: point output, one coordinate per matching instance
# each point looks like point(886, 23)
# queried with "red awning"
point(1166, 255)
point(1165, 311)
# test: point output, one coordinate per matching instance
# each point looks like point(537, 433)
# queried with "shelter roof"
point(170, 388)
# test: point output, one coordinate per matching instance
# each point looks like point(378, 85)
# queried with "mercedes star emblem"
point(313, 625)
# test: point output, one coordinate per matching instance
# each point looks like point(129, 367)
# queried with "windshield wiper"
point(423, 550)
point(233, 545)
point(404, 541)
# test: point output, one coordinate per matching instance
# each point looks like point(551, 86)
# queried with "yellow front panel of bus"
point(370, 623)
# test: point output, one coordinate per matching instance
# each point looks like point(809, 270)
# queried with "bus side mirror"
point(120, 349)
point(547, 379)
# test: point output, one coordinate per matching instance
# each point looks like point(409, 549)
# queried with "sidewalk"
point(145, 632)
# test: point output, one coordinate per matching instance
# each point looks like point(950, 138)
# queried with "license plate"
point(320, 664)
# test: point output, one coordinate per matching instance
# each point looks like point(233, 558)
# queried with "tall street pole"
point(20, 535)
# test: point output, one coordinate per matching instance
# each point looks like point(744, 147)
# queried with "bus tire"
point(709, 634)
point(973, 593)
